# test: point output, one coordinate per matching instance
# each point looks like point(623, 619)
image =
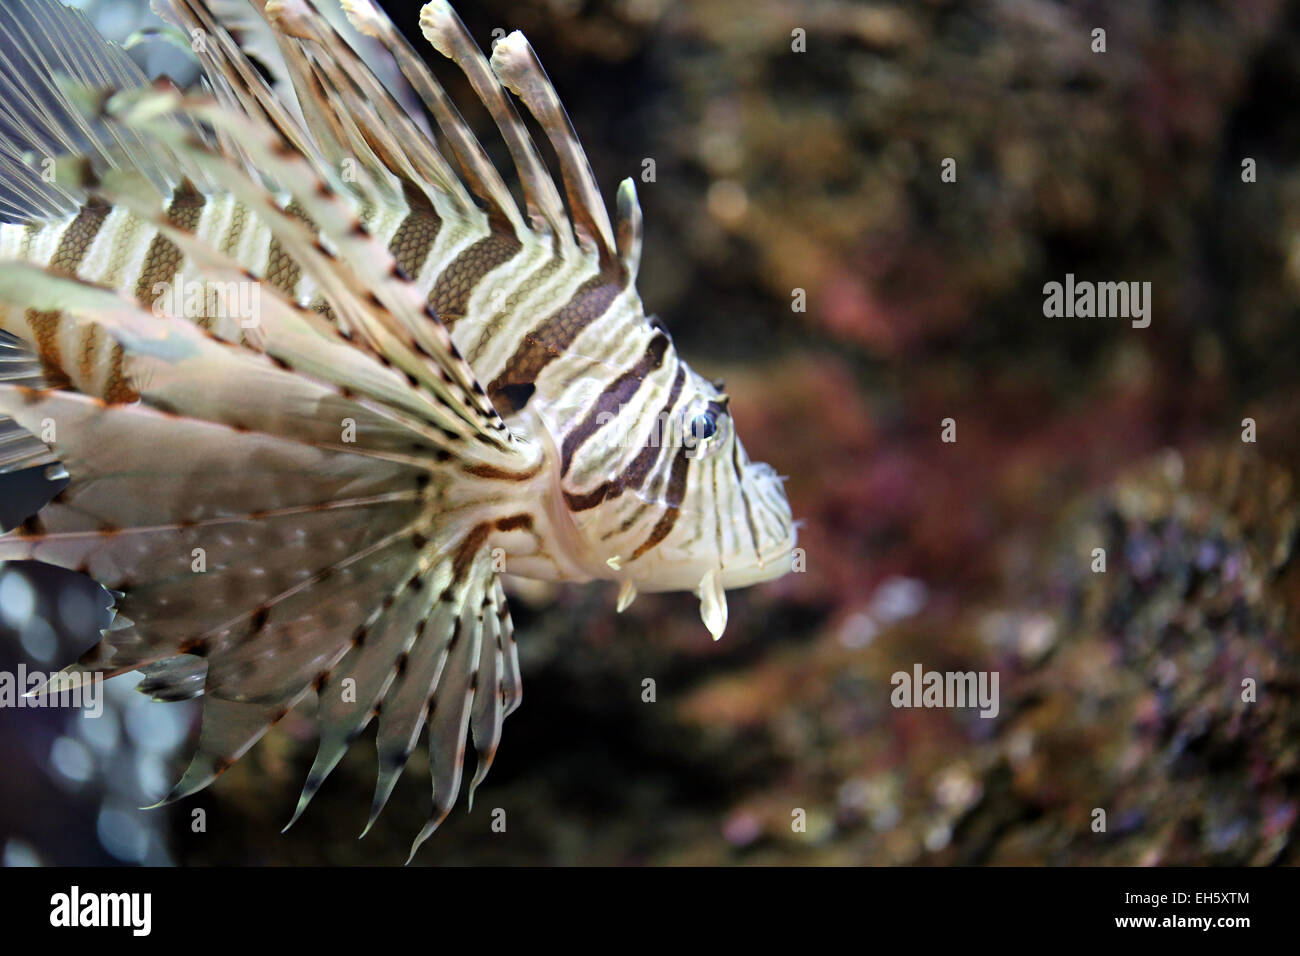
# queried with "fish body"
point(317, 385)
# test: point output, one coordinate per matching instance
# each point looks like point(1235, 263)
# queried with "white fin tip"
point(713, 604)
point(436, 20)
point(364, 17)
point(626, 595)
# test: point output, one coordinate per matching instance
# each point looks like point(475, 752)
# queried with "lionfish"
point(314, 489)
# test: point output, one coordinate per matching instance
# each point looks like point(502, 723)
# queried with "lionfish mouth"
point(774, 563)
point(772, 536)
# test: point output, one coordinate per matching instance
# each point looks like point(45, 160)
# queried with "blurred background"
point(778, 171)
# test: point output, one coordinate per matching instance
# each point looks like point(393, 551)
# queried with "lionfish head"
point(687, 509)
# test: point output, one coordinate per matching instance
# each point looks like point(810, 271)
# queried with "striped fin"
point(237, 32)
point(629, 229)
point(230, 74)
point(443, 28)
point(489, 707)
point(47, 49)
point(435, 660)
point(453, 695)
point(393, 316)
point(270, 510)
point(512, 686)
point(438, 686)
point(321, 137)
point(229, 730)
point(384, 138)
point(19, 448)
point(373, 666)
point(301, 389)
point(300, 19)
point(177, 678)
point(319, 563)
point(519, 69)
point(19, 365)
point(342, 88)
point(259, 41)
point(309, 546)
point(247, 32)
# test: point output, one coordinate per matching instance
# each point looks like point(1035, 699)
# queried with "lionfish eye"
point(704, 426)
